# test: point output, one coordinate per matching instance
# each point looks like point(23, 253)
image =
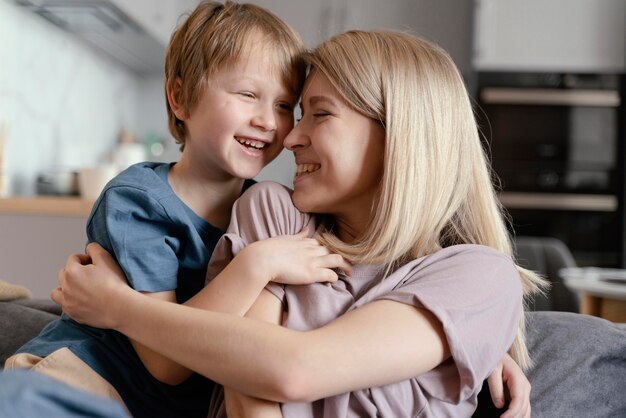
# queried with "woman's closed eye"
point(315, 115)
point(247, 94)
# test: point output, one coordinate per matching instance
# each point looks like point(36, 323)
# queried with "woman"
point(390, 161)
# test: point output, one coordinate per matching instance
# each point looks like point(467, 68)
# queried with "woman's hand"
point(508, 373)
point(295, 260)
point(90, 286)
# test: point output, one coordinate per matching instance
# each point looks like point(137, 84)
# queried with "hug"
point(384, 284)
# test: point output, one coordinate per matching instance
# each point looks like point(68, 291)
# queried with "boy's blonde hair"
point(215, 35)
point(436, 189)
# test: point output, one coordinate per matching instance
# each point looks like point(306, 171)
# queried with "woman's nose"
point(296, 138)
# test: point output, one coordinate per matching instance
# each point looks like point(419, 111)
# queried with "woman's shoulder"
point(483, 252)
point(463, 262)
point(267, 205)
point(266, 197)
point(267, 191)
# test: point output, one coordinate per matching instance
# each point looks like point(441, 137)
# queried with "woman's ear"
point(173, 90)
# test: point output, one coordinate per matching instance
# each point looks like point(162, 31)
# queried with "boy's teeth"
point(306, 168)
point(251, 143)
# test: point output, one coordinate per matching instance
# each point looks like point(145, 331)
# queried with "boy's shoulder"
point(142, 177)
point(141, 185)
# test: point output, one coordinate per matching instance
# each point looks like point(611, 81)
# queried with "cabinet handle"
point(559, 201)
point(514, 96)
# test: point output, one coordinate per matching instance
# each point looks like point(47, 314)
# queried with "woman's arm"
point(380, 343)
point(292, 259)
point(233, 291)
point(87, 304)
point(266, 308)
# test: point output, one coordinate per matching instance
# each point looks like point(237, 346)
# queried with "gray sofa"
point(579, 371)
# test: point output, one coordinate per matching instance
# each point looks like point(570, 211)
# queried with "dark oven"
point(556, 144)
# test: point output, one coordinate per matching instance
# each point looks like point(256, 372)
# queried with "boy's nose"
point(265, 119)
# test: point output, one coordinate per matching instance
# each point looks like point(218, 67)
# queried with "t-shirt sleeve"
point(136, 230)
point(476, 294)
point(265, 210)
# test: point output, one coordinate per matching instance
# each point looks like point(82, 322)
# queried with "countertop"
point(45, 205)
point(603, 282)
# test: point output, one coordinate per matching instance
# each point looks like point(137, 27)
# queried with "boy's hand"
point(295, 260)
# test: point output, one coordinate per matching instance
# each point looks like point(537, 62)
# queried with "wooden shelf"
point(45, 205)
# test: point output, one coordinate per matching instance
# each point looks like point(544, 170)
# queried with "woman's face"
point(339, 156)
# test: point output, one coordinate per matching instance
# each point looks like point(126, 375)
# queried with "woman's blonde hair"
point(215, 35)
point(436, 189)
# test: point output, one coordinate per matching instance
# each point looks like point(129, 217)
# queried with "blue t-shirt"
point(161, 244)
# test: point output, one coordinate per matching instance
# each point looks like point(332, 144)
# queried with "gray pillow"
point(580, 365)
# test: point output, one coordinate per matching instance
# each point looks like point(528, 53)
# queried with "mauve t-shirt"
point(475, 291)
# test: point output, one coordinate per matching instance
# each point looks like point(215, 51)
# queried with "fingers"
point(520, 403)
point(57, 296)
point(496, 386)
point(326, 266)
point(81, 259)
point(332, 261)
point(96, 252)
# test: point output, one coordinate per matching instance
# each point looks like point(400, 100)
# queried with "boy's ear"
point(173, 90)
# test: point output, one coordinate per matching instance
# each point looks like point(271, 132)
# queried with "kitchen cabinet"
point(448, 23)
point(550, 35)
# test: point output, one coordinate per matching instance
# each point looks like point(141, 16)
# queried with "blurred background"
point(81, 88)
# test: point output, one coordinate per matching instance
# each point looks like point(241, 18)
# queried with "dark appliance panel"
point(550, 132)
point(556, 144)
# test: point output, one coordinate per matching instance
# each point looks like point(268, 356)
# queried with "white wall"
point(63, 102)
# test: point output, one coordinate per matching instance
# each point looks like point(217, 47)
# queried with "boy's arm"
point(293, 259)
point(236, 288)
point(233, 291)
point(131, 224)
point(269, 309)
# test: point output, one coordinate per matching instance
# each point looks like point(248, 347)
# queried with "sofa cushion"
point(580, 365)
point(21, 320)
point(580, 360)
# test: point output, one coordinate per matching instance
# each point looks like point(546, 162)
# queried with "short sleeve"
point(476, 294)
point(265, 210)
point(135, 228)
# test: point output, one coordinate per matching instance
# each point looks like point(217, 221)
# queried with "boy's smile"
point(253, 144)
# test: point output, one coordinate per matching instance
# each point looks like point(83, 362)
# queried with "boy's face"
point(242, 118)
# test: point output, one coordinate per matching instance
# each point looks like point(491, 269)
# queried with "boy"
point(233, 74)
